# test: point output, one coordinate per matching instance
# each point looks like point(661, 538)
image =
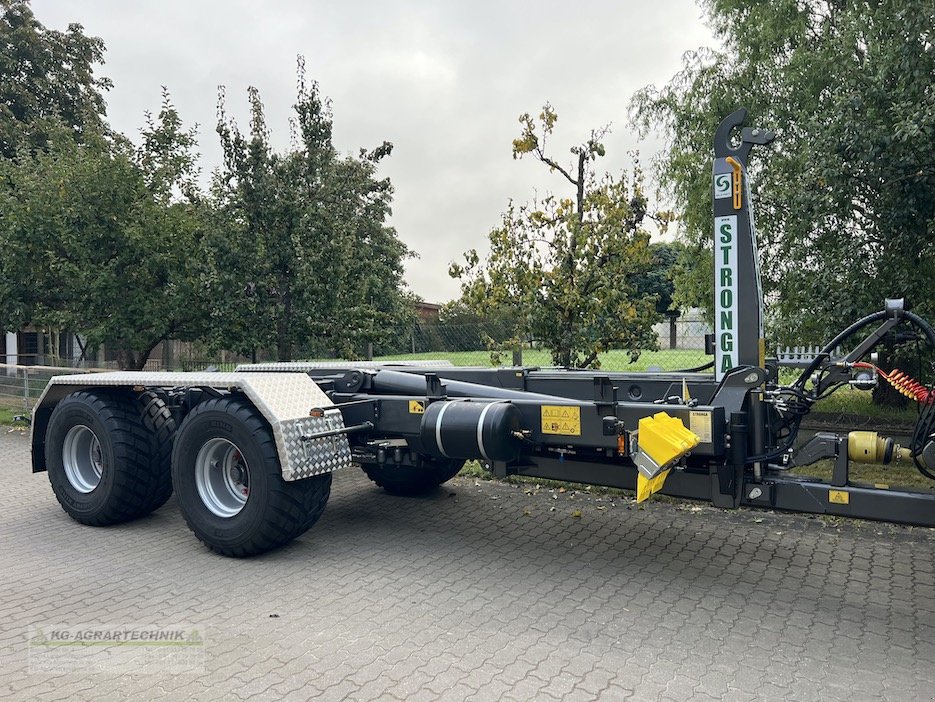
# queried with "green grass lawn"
point(7, 414)
point(611, 360)
point(850, 400)
point(902, 475)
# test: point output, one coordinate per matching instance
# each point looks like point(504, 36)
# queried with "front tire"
point(412, 481)
point(107, 455)
point(229, 484)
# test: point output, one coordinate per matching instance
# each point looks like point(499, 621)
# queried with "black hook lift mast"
point(746, 421)
point(728, 436)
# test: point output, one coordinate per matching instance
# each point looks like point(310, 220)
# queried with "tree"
point(93, 236)
point(46, 79)
point(93, 241)
point(658, 281)
point(564, 268)
point(300, 257)
point(846, 196)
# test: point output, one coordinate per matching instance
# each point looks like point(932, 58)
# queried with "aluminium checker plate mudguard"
point(284, 400)
point(304, 366)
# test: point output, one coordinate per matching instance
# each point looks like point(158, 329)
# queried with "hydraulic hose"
point(923, 325)
point(799, 384)
point(831, 345)
point(697, 369)
point(926, 423)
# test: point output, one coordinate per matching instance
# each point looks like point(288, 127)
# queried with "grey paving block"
point(479, 591)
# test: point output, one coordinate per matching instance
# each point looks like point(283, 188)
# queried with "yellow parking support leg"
point(649, 486)
point(661, 441)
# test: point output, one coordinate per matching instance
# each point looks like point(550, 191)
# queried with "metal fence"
point(21, 386)
point(681, 347)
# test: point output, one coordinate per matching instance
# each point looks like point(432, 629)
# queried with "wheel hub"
point(222, 477)
point(82, 458)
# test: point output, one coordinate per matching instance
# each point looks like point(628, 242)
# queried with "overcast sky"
point(444, 81)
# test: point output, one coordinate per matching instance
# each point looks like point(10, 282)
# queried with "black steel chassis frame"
point(718, 471)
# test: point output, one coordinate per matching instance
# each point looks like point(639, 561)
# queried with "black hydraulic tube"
point(395, 382)
point(923, 429)
point(366, 426)
point(739, 436)
point(705, 366)
point(922, 324)
point(911, 317)
point(926, 420)
point(830, 346)
point(822, 356)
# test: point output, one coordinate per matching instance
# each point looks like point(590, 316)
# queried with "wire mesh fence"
point(21, 386)
point(681, 346)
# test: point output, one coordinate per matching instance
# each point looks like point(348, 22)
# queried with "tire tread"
point(293, 506)
point(408, 481)
point(141, 482)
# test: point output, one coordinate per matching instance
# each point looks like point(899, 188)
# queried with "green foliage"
point(46, 80)
point(846, 196)
point(92, 243)
point(167, 156)
point(564, 268)
point(91, 236)
point(288, 251)
point(658, 280)
point(299, 256)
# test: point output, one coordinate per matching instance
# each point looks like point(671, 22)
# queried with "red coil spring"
point(909, 387)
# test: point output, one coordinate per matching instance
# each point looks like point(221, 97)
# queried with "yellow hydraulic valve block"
point(662, 440)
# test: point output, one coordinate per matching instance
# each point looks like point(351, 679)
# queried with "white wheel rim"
point(222, 478)
point(82, 458)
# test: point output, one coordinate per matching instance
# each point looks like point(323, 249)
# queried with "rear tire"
point(229, 484)
point(107, 455)
point(161, 426)
point(410, 481)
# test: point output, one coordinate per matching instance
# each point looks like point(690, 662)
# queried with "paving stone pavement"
point(480, 592)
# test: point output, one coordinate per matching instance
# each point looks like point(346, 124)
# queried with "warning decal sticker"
point(839, 497)
point(701, 425)
point(565, 421)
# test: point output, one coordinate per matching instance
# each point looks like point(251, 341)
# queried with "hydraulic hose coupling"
point(903, 384)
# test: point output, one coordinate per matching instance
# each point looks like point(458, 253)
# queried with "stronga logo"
point(725, 283)
point(723, 188)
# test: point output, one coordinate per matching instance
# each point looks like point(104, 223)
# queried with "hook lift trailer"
point(250, 453)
